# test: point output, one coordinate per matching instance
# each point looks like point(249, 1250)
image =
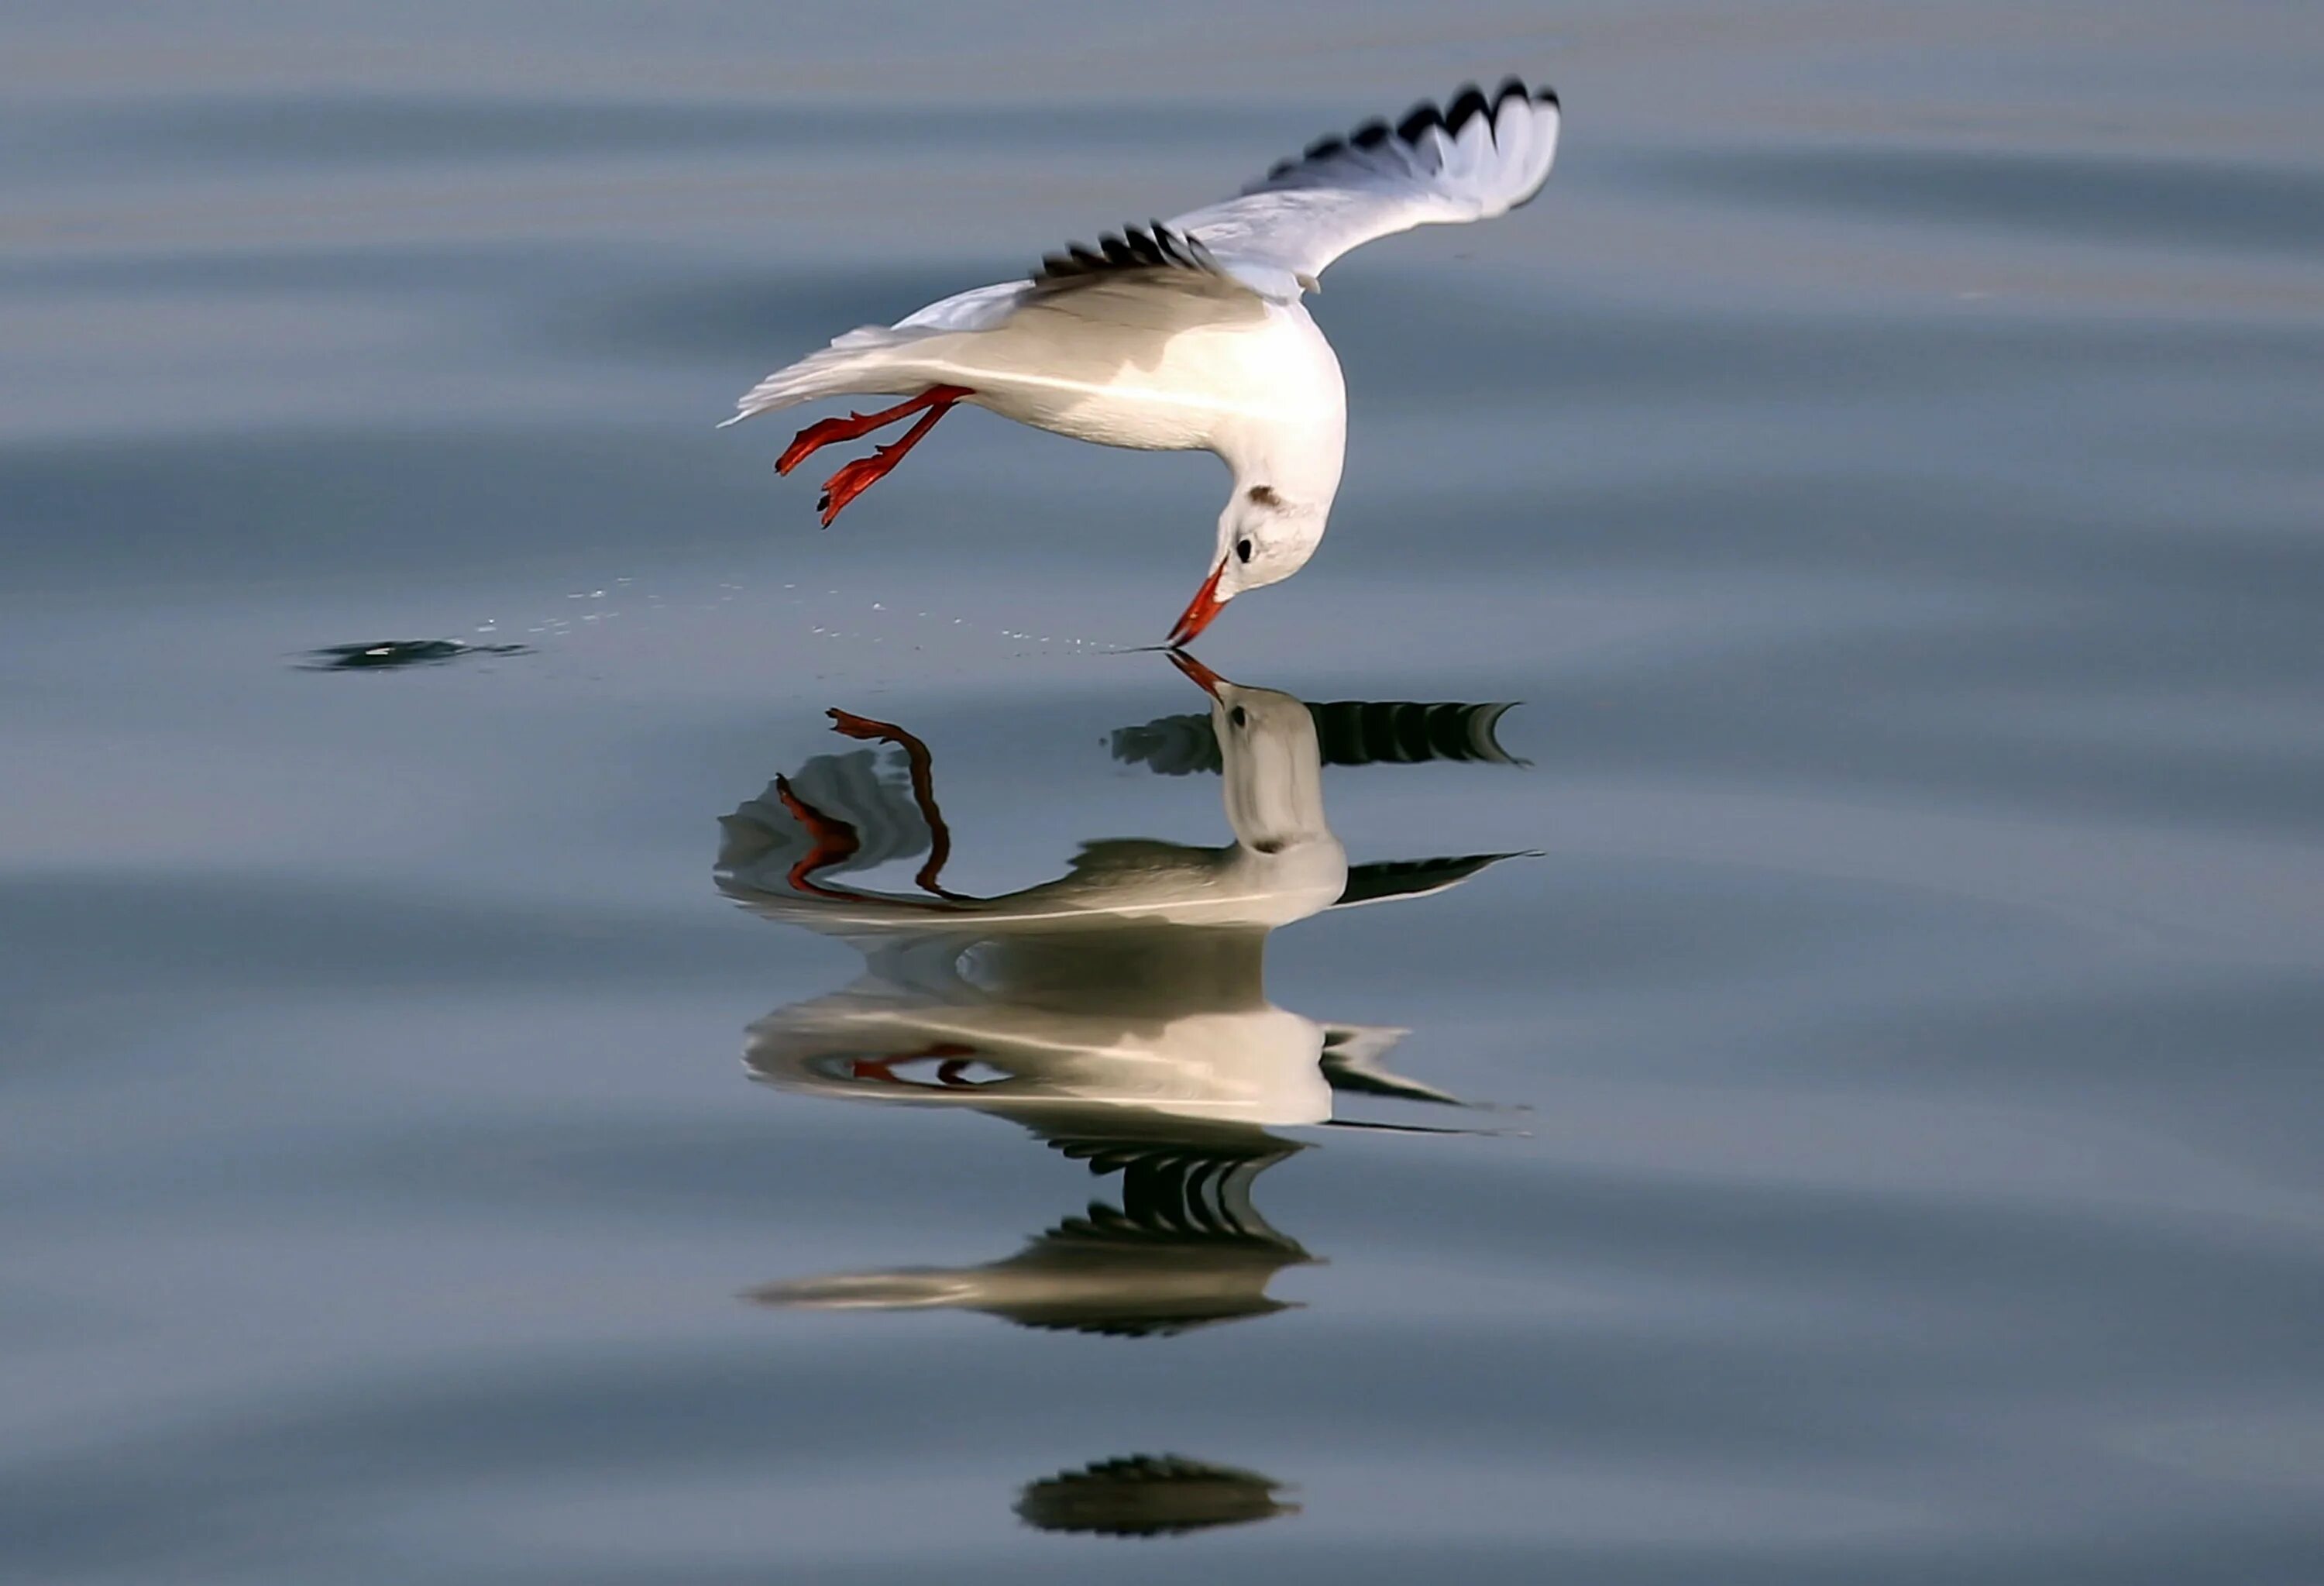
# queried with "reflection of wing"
point(1179, 1185)
point(1172, 745)
point(1150, 1495)
point(1352, 732)
point(1075, 1279)
point(1354, 1060)
point(1186, 1248)
point(1393, 731)
point(761, 840)
point(1383, 880)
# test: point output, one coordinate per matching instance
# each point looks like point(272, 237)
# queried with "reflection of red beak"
point(1207, 679)
point(1199, 610)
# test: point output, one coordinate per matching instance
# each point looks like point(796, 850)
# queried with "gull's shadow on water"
point(1117, 1013)
point(400, 652)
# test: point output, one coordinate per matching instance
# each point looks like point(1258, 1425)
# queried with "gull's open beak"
point(1202, 676)
point(1199, 610)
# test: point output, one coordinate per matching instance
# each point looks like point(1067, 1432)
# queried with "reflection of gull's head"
point(1273, 768)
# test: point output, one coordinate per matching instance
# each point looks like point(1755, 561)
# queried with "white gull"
point(1189, 335)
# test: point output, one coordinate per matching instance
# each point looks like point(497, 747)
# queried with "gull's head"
point(1266, 534)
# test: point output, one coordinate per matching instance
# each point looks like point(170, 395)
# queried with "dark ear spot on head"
point(1243, 550)
point(1263, 495)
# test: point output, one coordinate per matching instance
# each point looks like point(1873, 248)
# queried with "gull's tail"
point(883, 360)
point(860, 363)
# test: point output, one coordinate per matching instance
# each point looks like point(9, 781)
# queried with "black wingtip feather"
point(1419, 120)
point(1154, 247)
point(1468, 103)
point(1466, 106)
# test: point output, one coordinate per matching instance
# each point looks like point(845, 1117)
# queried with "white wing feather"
point(1476, 159)
point(1473, 160)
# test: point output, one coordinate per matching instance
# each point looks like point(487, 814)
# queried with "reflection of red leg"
point(855, 426)
point(860, 476)
point(834, 840)
point(884, 1068)
point(924, 792)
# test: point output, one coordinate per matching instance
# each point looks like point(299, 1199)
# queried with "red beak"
point(1199, 610)
point(1207, 679)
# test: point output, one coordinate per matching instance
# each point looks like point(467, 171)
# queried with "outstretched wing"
point(1477, 158)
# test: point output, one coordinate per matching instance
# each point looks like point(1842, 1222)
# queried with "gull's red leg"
point(922, 766)
point(855, 426)
point(833, 838)
point(860, 474)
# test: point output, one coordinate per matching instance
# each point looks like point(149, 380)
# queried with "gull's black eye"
point(1237, 716)
point(1243, 550)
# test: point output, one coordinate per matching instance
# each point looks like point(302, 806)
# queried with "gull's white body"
point(1128, 363)
point(1191, 335)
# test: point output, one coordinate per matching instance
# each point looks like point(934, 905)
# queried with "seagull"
point(1189, 334)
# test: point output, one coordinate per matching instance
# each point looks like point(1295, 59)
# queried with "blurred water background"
point(1884, 466)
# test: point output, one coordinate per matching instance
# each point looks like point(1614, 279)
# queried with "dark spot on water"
point(1150, 1495)
point(400, 652)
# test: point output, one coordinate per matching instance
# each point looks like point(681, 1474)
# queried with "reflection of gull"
point(1284, 863)
point(1118, 1012)
point(1189, 336)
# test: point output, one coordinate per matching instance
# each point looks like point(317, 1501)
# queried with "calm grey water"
point(1865, 1128)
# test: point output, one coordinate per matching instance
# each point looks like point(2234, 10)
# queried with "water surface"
point(1743, 1005)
